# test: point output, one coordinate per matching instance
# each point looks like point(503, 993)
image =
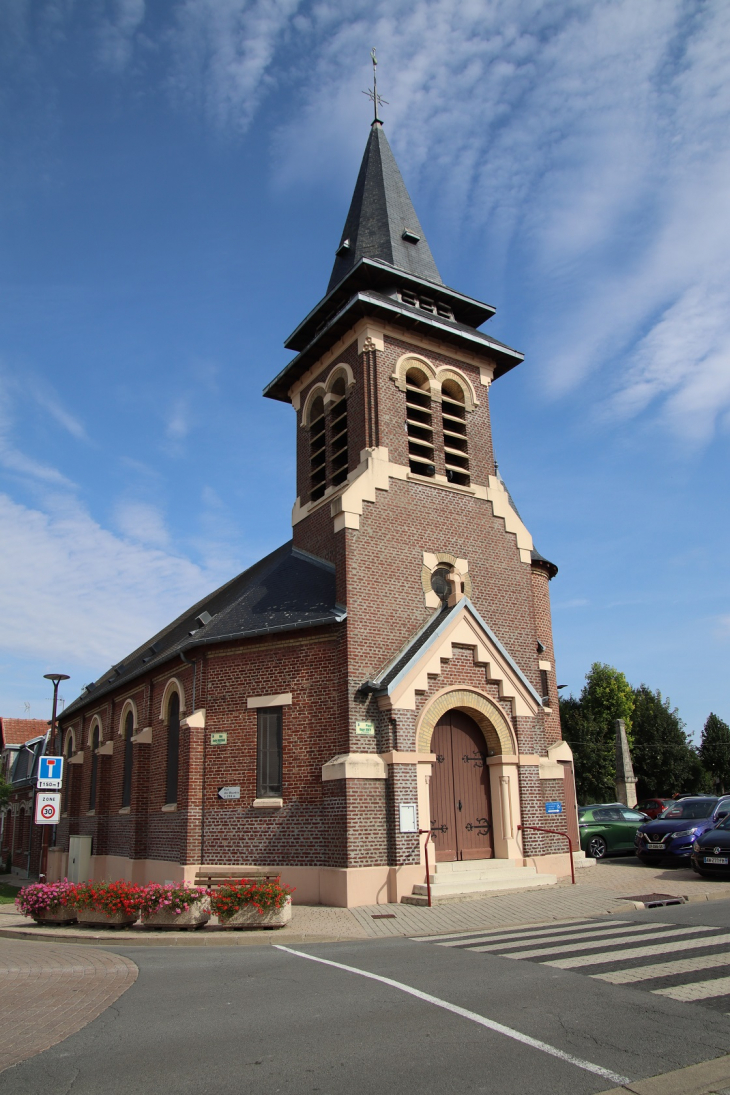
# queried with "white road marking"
point(597, 1070)
point(664, 969)
point(502, 931)
point(589, 933)
point(517, 938)
point(698, 990)
point(596, 944)
point(636, 952)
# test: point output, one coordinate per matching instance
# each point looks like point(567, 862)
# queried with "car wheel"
point(597, 847)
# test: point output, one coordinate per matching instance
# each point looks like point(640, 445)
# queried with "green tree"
point(664, 761)
point(715, 751)
point(5, 789)
point(607, 696)
point(593, 756)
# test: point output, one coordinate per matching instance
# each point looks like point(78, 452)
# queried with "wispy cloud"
point(177, 422)
point(118, 23)
point(143, 523)
point(222, 55)
point(81, 593)
point(12, 458)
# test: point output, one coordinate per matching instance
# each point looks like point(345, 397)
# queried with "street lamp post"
point(56, 678)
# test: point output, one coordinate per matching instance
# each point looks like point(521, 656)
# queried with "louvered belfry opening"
point(317, 450)
point(419, 423)
point(456, 448)
point(338, 434)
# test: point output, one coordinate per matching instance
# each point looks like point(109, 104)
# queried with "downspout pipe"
point(194, 666)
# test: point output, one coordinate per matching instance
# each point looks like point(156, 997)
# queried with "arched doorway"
point(461, 808)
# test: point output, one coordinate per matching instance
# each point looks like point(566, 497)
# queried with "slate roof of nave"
point(287, 590)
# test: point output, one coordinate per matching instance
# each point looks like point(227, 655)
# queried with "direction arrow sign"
point(229, 792)
point(47, 809)
point(50, 773)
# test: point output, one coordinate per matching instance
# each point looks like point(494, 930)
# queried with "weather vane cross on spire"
point(372, 93)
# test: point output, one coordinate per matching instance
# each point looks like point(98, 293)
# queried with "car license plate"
point(656, 847)
point(720, 860)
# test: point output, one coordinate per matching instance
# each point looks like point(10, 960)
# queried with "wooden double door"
point(461, 809)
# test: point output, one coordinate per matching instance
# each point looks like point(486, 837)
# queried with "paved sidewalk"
point(611, 886)
point(51, 991)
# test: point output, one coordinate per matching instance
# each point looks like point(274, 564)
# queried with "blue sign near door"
point(553, 807)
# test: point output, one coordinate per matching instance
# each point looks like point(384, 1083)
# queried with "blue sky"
point(175, 179)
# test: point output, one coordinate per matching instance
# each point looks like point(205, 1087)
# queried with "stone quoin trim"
point(283, 699)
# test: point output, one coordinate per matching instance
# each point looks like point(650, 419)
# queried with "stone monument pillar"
point(625, 778)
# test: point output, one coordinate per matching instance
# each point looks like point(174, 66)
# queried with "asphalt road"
point(231, 1020)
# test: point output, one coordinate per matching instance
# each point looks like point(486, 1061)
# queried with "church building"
point(386, 677)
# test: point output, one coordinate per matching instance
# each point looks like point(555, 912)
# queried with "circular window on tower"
point(441, 583)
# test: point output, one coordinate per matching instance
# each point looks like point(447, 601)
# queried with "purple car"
point(671, 834)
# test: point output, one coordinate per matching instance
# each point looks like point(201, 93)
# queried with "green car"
point(607, 829)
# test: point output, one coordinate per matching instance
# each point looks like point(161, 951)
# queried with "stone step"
point(462, 865)
point(465, 878)
point(443, 892)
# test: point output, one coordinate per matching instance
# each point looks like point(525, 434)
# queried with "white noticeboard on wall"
point(47, 808)
point(409, 818)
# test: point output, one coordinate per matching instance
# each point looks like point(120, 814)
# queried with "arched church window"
point(68, 771)
point(419, 424)
point(338, 433)
point(94, 767)
point(456, 448)
point(128, 757)
point(173, 748)
point(317, 450)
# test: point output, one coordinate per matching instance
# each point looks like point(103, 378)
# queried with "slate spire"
point(382, 223)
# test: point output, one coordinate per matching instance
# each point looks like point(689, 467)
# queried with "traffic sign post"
point(47, 808)
point(50, 773)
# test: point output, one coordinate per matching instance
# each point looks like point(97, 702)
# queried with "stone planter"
point(62, 915)
point(96, 918)
point(248, 917)
point(197, 916)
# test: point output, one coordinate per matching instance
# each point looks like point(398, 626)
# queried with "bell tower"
point(398, 488)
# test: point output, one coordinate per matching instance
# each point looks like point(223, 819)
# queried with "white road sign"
point(50, 773)
point(229, 792)
point(47, 808)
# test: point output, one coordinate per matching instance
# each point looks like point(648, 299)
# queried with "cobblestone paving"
point(50, 991)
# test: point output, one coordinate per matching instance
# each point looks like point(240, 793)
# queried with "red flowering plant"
point(263, 894)
point(173, 897)
point(43, 897)
point(107, 897)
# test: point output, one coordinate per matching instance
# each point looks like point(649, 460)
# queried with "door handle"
point(460, 804)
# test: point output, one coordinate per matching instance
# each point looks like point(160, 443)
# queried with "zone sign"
point(50, 773)
point(47, 808)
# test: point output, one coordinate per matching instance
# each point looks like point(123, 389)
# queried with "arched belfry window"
point(317, 450)
point(338, 433)
point(456, 449)
point(94, 767)
point(128, 758)
point(173, 748)
point(419, 423)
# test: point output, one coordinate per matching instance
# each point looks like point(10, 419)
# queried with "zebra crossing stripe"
point(596, 944)
point(698, 990)
point(498, 933)
point(636, 952)
point(664, 969)
point(589, 933)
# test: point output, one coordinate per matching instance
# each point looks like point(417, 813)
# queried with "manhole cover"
point(653, 900)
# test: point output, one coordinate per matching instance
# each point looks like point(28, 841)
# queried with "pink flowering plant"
point(40, 898)
point(173, 897)
point(262, 894)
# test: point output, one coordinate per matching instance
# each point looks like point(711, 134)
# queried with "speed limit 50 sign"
point(47, 808)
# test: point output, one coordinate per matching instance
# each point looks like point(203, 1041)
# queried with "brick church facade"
point(389, 669)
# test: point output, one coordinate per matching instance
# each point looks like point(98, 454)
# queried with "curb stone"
point(708, 1078)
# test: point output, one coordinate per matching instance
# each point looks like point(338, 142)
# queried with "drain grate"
point(383, 916)
point(656, 900)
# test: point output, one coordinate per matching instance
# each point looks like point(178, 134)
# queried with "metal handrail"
point(555, 832)
point(428, 870)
